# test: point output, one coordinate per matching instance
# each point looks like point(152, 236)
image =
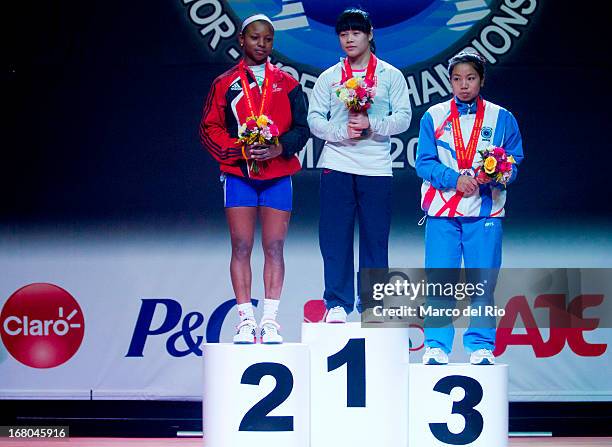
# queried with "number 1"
point(353, 355)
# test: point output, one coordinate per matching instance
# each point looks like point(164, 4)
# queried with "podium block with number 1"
point(359, 385)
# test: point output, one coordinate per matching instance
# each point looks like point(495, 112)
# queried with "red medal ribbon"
point(247, 90)
point(266, 92)
point(347, 73)
point(465, 157)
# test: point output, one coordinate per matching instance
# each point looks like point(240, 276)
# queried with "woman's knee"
point(241, 248)
point(273, 250)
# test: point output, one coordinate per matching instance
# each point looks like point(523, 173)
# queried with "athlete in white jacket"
point(356, 161)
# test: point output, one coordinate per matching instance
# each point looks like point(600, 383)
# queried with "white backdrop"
point(111, 278)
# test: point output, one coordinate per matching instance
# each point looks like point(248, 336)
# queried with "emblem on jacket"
point(486, 133)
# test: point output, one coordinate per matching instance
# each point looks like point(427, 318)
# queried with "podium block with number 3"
point(458, 405)
point(359, 385)
point(256, 395)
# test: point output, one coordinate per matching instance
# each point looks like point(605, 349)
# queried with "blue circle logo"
point(486, 133)
point(406, 32)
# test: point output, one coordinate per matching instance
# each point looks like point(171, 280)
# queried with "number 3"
point(465, 407)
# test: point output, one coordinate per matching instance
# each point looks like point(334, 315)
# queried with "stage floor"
point(197, 442)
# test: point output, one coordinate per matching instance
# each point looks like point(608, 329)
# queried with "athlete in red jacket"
point(255, 87)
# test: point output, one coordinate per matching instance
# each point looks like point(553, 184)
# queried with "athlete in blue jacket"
point(464, 212)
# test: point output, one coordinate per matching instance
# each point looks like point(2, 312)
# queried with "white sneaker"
point(245, 333)
point(434, 356)
point(482, 357)
point(336, 314)
point(269, 332)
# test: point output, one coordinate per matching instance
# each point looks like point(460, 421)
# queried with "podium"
point(348, 385)
point(458, 404)
point(359, 384)
point(256, 395)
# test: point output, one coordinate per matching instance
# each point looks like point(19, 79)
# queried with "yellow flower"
point(262, 121)
point(490, 164)
point(352, 83)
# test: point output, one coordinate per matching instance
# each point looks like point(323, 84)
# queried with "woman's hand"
point(467, 185)
point(353, 132)
point(359, 120)
point(483, 180)
point(261, 152)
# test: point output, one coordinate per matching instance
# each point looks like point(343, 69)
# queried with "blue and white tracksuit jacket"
point(436, 161)
point(463, 228)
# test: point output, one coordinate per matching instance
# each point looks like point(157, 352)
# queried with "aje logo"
point(42, 325)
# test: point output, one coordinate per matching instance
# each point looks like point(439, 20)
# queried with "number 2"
point(257, 419)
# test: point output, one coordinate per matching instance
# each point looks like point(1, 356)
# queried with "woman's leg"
point(482, 256)
point(241, 221)
point(442, 264)
point(336, 234)
point(274, 225)
point(374, 203)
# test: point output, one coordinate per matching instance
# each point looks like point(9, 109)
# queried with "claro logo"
point(42, 325)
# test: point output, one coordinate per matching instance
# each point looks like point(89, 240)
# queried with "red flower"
point(360, 92)
point(251, 123)
point(505, 167)
point(482, 174)
point(274, 130)
point(499, 152)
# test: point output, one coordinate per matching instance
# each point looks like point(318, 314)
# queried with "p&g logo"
point(181, 332)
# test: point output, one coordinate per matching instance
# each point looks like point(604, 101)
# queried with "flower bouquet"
point(495, 164)
point(257, 130)
point(357, 94)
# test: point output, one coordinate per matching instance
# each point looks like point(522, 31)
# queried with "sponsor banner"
point(129, 322)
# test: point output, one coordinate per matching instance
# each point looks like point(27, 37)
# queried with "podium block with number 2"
point(458, 405)
point(359, 385)
point(256, 395)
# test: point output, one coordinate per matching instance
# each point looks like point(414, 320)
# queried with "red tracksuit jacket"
point(225, 102)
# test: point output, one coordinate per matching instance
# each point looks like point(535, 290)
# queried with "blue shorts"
point(275, 193)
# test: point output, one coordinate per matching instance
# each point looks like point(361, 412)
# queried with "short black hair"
point(355, 19)
point(471, 57)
